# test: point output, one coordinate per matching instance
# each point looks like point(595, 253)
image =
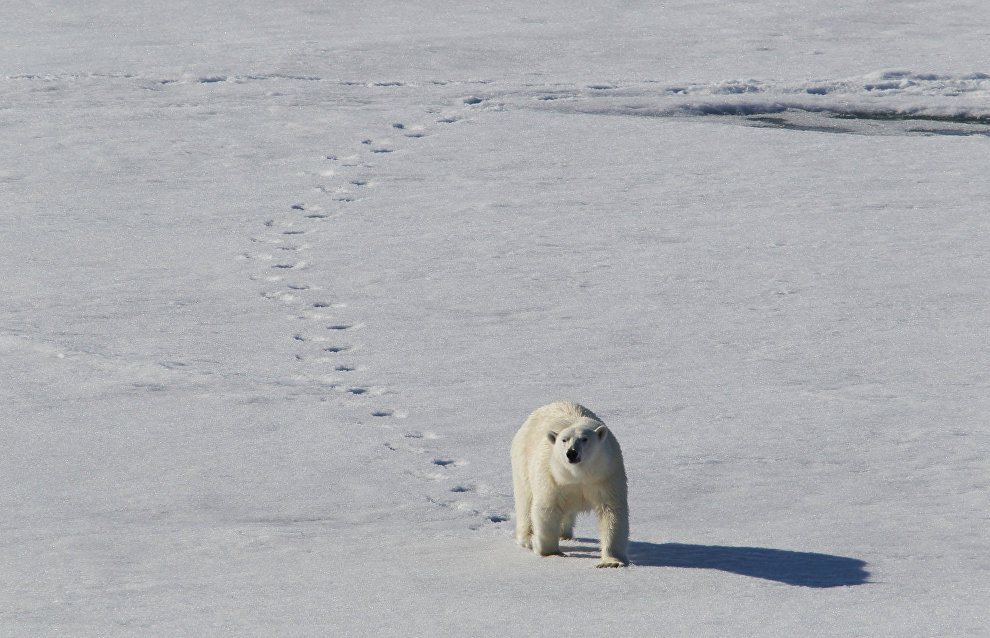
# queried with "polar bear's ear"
point(601, 431)
point(552, 436)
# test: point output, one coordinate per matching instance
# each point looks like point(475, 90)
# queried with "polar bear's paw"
point(609, 561)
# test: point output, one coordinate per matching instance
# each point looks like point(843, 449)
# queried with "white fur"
point(550, 490)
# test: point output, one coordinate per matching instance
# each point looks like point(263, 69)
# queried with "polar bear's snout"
point(573, 455)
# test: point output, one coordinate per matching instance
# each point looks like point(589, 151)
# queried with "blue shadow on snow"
point(792, 568)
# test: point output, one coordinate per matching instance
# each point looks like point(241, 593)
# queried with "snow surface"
point(282, 279)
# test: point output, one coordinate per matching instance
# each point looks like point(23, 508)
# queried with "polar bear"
point(565, 461)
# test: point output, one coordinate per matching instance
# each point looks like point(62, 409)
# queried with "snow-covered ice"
point(281, 280)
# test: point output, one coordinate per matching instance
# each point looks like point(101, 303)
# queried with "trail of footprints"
point(327, 344)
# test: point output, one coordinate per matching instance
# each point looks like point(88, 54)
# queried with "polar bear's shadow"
point(793, 568)
point(801, 569)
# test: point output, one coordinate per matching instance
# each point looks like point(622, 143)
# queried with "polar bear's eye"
point(584, 439)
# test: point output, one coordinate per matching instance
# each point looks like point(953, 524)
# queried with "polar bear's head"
point(579, 444)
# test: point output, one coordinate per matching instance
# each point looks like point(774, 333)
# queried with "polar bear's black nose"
point(573, 456)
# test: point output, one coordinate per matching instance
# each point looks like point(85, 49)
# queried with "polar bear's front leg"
point(546, 529)
point(567, 526)
point(613, 529)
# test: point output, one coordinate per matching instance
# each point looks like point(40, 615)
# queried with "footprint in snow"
point(377, 147)
point(407, 131)
point(387, 413)
point(267, 240)
point(420, 435)
point(259, 256)
point(311, 338)
point(279, 295)
point(311, 212)
point(442, 462)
